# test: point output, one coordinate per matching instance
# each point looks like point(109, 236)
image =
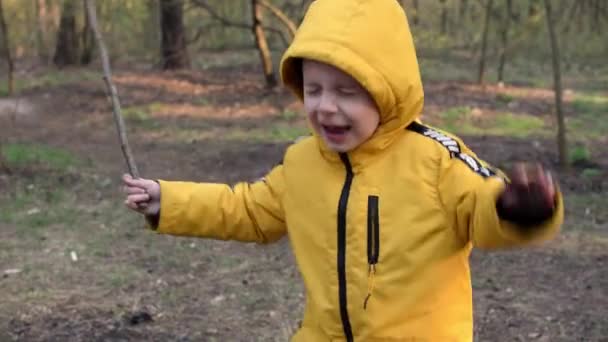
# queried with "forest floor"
point(76, 265)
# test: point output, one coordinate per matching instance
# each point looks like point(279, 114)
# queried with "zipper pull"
point(370, 284)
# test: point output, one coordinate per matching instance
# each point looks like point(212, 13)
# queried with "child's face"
point(340, 110)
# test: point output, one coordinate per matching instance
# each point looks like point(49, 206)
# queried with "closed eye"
point(312, 90)
point(347, 91)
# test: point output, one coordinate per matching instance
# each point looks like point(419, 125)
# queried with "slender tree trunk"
point(532, 8)
point(596, 15)
point(41, 26)
point(557, 85)
point(462, 11)
point(174, 50)
point(504, 34)
point(260, 40)
point(444, 17)
point(88, 44)
point(7, 51)
point(153, 33)
point(415, 15)
point(66, 51)
point(5, 43)
point(484, 43)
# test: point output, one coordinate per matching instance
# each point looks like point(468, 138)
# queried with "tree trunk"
point(462, 11)
point(42, 25)
point(88, 44)
point(532, 8)
point(7, 51)
point(504, 33)
point(262, 45)
point(153, 34)
point(415, 16)
point(5, 43)
point(484, 43)
point(174, 51)
point(557, 85)
point(444, 18)
point(66, 50)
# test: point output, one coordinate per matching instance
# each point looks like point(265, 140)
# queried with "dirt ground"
point(131, 285)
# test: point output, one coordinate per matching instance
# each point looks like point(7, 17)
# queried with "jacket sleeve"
point(469, 190)
point(250, 212)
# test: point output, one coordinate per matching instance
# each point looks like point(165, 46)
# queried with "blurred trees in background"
point(488, 38)
point(169, 33)
point(5, 47)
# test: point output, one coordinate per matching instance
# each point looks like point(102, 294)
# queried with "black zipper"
point(373, 244)
point(373, 230)
point(342, 204)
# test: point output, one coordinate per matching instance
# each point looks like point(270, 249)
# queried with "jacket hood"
point(371, 41)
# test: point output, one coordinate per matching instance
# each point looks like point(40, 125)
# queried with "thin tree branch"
point(229, 23)
point(281, 16)
point(118, 118)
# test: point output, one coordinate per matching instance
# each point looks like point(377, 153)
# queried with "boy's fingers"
point(520, 176)
point(131, 205)
point(137, 182)
point(550, 188)
point(136, 198)
point(129, 190)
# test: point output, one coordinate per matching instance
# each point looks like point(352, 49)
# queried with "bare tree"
point(174, 50)
point(289, 24)
point(557, 85)
point(444, 17)
point(88, 44)
point(227, 22)
point(42, 22)
point(504, 34)
point(484, 43)
point(7, 51)
point(262, 44)
point(66, 50)
point(5, 44)
point(416, 14)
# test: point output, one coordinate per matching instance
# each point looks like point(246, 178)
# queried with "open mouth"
point(335, 133)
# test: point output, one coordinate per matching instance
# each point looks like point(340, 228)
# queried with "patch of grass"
point(457, 120)
point(585, 211)
point(460, 120)
point(141, 115)
point(591, 173)
point(289, 114)
point(201, 101)
point(50, 79)
point(20, 155)
point(579, 154)
point(3, 90)
point(287, 133)
point(504, 98)
point(517, 125)
point(590, 118)
point(34, 207)
point(137, 113)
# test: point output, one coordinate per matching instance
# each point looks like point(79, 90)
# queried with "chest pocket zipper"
point(373, 244)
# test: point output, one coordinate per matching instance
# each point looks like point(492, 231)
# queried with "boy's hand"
point(530, 197)
point(143, 195)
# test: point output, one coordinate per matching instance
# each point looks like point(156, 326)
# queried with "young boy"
point(381, 210)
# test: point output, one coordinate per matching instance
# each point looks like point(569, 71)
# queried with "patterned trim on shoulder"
point(453, 148)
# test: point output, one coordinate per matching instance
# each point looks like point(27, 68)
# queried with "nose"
point(327, 103)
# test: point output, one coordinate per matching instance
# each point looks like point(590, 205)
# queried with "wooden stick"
point(117, 113)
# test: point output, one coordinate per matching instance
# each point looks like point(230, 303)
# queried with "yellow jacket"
point(381, 235)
